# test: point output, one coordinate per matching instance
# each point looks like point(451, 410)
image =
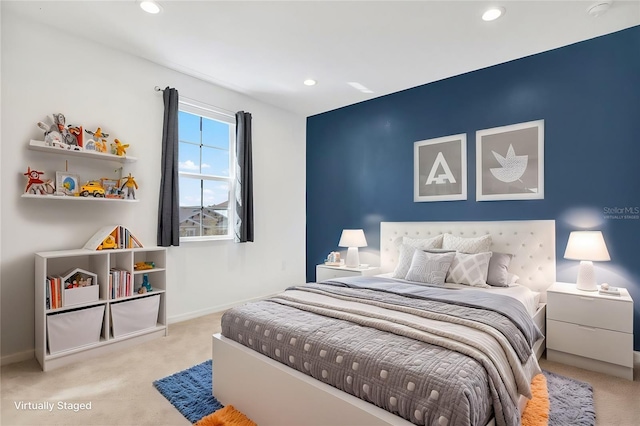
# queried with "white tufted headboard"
point(531, 242)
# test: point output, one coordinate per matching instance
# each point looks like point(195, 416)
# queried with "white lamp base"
point(353, 258)
point(586, 277)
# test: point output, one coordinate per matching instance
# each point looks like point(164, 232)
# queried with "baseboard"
point(636, 357)
point(212, 310)
point(20, 356)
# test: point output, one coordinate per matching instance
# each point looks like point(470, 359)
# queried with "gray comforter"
point(431, 356)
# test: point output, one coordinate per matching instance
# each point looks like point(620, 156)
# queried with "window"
point(206, 167)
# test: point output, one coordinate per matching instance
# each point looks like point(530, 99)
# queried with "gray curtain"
point(244, 179)
point(168, 210)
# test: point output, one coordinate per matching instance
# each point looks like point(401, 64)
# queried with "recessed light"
point(150, 7)
point(310, 82)
point(599, 8)
point(493, 14)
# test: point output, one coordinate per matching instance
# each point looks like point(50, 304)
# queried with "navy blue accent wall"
point(360, 157)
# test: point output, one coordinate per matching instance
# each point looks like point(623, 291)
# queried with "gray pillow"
point(498, 275)
point(429, 268)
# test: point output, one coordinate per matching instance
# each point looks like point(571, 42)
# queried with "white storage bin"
point(70, 330)
point(134, 315)
point(78, 295)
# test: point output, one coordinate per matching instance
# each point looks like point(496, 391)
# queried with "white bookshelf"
point(99, 262)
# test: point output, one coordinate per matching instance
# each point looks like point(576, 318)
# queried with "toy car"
point(92, 188)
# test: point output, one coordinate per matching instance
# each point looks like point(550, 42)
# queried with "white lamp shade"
point(586, 245)
point(352, 238)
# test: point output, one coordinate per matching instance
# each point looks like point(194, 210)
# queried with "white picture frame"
point(67, 183)
point(440, 169)
point(510, 162)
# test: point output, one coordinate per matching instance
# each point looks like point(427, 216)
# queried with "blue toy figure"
point(145, 287)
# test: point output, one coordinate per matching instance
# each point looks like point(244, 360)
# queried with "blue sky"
point(215, 159)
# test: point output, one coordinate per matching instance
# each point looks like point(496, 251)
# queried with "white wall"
point(45, 71)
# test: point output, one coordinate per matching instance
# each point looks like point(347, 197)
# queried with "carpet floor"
point(568, 401)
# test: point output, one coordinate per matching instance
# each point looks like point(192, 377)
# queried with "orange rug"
point(536, 413)
point(227, 416)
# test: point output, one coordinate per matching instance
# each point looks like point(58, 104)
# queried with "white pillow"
point(424, 243)
point(470, 269)
point(429, 268)
point(420, 243)
point(404, 261)
point(512, 279)
point(467, 245)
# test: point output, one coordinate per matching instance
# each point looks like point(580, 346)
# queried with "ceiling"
point(266, 49)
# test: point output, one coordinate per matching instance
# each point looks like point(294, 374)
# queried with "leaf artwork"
point(513, 166)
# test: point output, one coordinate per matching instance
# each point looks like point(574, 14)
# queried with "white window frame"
point(210, 112)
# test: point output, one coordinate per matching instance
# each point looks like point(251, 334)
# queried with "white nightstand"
point(590, 330)
point(325, 272)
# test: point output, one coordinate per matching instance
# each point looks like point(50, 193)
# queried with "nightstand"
point(590, 330)
point(326, 272)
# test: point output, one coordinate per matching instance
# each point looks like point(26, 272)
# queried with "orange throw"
point(536, 413)
point(227, 416)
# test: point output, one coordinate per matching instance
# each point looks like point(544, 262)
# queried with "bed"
point(275, 384)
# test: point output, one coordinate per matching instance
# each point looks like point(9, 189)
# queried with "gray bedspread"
point(431, 356)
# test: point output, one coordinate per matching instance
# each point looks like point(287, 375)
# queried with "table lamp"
point(586, 246)
point(352, 238)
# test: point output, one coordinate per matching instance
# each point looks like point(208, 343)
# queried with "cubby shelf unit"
point(99, 262)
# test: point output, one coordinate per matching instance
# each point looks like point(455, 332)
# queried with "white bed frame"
point(271, 393)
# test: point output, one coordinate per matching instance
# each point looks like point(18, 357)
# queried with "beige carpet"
point(119, 386)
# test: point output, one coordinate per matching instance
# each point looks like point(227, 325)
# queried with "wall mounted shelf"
point(40, 146)
point(70, 198)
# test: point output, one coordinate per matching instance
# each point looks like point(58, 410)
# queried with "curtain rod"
point(199, 104)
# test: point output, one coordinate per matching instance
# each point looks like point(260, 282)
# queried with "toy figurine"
point(145, 287)
point(98, 143)
point(58, 135)
point(131, 185)
point(108, 243)
point(118, 148)
point(35, 185)
point(77, 132)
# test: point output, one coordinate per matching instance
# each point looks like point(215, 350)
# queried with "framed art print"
point(510, 162)
point(67, 183)
point(440, 169)
point(111, 188)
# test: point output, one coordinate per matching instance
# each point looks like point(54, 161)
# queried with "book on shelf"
point(112, 237)
point(120, 283)
point(54, 292)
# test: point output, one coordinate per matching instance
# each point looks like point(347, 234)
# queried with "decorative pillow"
point(404, 261)
point(424, 243)
point(498, 270)
point(429, 268)
point(420, 243)
point(512, 279)
point(467, 245)
point(470, 269)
